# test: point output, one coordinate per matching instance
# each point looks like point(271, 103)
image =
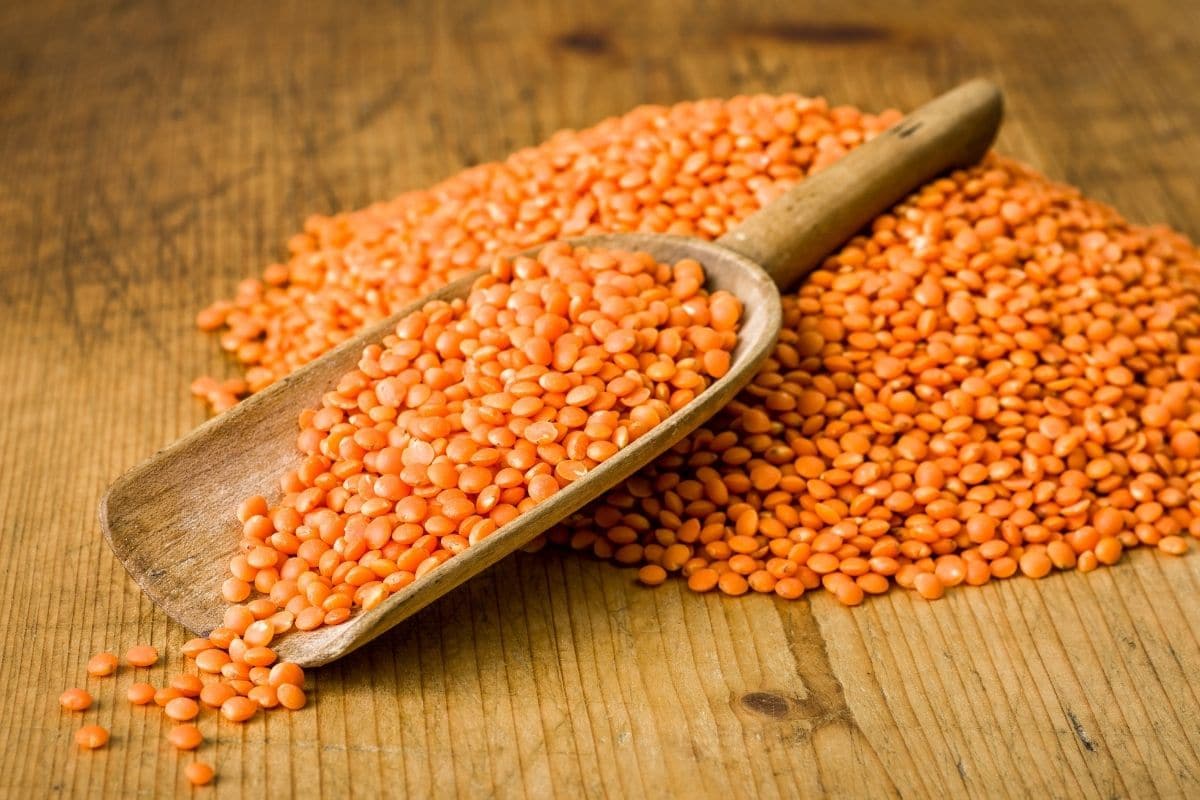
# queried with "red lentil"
point(185, 737)
point(238, 709)
point(214, 695)
point(198, 773)
point(187, 685)
point(140, 694)
point(286, 672)
point(142, 655)
point(265, 696)
point(182, 709)
point(291, 696)
point(75, 700)
point(91, 737)
point(102, 665)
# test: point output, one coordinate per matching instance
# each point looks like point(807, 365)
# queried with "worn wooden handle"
point(793, 235)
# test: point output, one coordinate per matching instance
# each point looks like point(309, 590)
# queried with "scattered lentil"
point(140, 694)
point(91, 737)
point(187, 685)
point(198, 773)
point(102, 665)
point(142, 655)
point(185, 737)
point(214, 695)
point(182, 709)
point(286, 672)
point(238, 709)
point(265, 696)
point(291, 696)
point(75, 700)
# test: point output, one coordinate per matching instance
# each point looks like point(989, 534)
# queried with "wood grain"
point(153, 154)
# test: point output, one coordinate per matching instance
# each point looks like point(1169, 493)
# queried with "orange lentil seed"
point(290, 696)
point(102, 665)
point(142, 655)
point(185, 737)
point(212, 660)
point(91, 737)
point(214, 695)
point(198, 773)
point(286, 672)
point(182, 709)
point(265, 696)
point(238, 709)
point(75, 700)
point(187, 685)
point(140, 693)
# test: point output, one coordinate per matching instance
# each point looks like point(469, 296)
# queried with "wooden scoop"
point(171, 520)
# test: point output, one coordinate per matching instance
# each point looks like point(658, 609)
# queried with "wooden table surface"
point(151, 154)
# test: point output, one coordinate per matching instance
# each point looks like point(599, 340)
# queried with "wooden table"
point(151, 154)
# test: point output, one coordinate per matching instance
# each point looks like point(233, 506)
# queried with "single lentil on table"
point(999, 376)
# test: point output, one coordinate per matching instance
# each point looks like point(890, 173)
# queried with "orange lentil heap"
point(692, 169)
point(474, 411)
point(999, 377)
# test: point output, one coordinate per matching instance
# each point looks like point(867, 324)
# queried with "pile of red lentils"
point(693, 169)
point(472, 412)
point(999, 376)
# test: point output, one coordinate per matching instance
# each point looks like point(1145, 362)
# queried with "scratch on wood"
point(1084, 739)
point(583, 41)
point(809, 32)
point(766, 703)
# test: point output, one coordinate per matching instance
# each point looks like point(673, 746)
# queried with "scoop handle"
point(795, 233)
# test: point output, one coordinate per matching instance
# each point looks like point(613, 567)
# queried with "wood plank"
point(151, 155)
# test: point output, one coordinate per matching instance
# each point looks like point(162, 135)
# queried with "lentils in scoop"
point(1001, 377)
point(470, 414)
